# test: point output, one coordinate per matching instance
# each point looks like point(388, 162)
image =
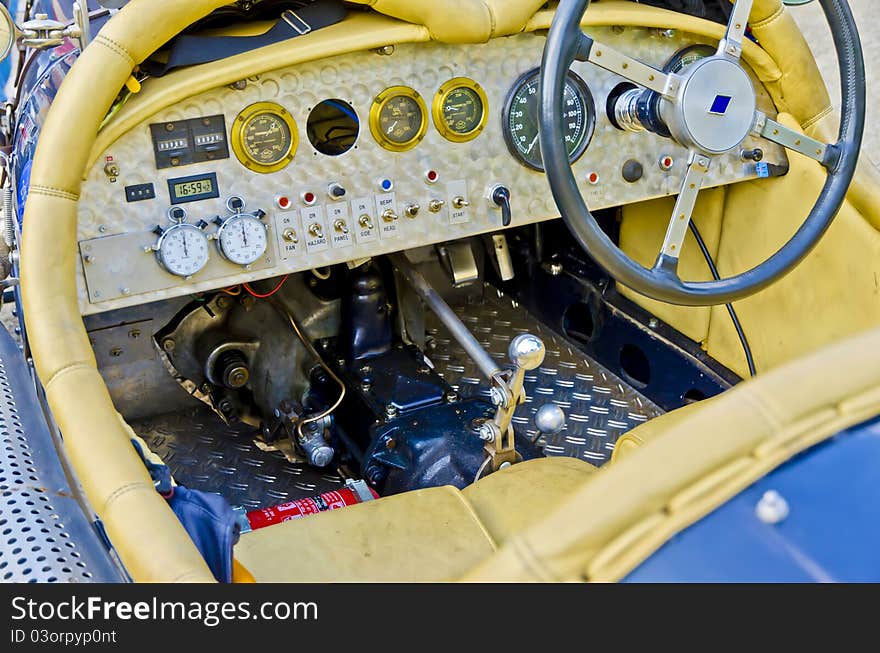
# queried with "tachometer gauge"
point(182, 249)
point(242, 238)
point(398, 118)
point(264, 137)
point(521, 113)
point(687, 56)
point(460, 109)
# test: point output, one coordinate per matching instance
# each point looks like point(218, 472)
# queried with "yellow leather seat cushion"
point(511, 499)
point(421, 536)
point(429, 535)
point(631, 441)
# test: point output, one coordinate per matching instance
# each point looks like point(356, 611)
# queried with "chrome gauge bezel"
point(582, 89)
point(226, 232)
point(163, 243)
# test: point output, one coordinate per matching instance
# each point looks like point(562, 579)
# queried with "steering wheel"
point(709, 108)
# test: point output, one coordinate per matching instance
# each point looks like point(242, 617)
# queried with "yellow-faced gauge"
point(398, 118)
point(460, 109)
point(264, 137)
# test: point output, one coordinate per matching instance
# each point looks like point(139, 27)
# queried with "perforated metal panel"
point(44, 533)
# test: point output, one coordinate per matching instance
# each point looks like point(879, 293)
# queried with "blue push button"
point(386, 185)
point(762, 170)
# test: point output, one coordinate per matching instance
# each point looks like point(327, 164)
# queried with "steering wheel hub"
point(715, 106)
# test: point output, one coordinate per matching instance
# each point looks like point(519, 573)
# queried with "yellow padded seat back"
point(429, 535)
point(511, 499)
point(422, 536)
point(633, 440)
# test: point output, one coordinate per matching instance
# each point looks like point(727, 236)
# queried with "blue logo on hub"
point(720, 105)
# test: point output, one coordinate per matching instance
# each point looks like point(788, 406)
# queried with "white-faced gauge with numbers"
point(182, 249)
point(242, 238)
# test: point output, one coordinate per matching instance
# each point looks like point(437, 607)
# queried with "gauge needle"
point(185, 250)
point(393, 125)
point(532, 146)
point(243, 234)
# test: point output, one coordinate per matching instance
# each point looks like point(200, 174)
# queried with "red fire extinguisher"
point(353, 493)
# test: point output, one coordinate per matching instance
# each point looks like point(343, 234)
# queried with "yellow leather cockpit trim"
point(146, 534)
point(511, 499)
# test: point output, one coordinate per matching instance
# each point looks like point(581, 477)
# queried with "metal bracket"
point(41, 32)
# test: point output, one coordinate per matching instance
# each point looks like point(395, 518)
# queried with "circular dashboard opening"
point(333, 127)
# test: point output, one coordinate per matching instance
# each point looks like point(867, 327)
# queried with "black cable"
point(733, 316)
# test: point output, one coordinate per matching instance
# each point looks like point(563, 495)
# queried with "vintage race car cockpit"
point(485, 275)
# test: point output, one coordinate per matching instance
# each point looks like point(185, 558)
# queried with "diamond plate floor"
point(206, 454)
point(598, 405)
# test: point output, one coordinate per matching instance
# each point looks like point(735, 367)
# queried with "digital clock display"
point(197, 187)
point(190, 189)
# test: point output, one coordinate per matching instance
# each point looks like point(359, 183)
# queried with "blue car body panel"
point(832, 532)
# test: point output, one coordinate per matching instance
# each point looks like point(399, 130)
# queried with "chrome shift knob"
point(549, 419)
point(526, 351)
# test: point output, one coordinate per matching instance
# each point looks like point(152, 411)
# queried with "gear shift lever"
point(526, 352)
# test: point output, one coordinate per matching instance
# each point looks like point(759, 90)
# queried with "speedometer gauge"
point(398, 118)
point(460, 109)
point(242, 238)
point(521, 113)
point(264, 137)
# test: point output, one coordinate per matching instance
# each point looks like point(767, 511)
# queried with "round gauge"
point(242, 238)
point(460, 109)
point(264, 137)
point(182, 249)
point(687, 56)
point(521, 113)
point(398, 118)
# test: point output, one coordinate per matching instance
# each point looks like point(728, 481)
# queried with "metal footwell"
point(206, 454)
point(599, 406)
point(45, 535)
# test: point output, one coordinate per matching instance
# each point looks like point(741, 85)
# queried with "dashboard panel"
point(413, 143)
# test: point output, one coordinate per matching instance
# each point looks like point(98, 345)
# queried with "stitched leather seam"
point(126, 489)
point(770, 19)
point(116, 48)
point(72, 367)
point(52, 191)
point(823, 113)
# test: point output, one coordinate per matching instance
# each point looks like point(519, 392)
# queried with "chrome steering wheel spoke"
point(793, 140)
point(627, 67)
point(732, 44)
point(670, 251)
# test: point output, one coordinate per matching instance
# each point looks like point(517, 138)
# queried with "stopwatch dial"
point(183, 250)
point(242, 239)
